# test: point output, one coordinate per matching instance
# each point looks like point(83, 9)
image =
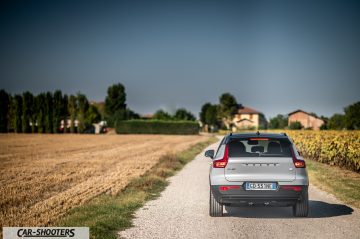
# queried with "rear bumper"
point(242, 197)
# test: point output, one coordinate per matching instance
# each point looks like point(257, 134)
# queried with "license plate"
point(260, 186)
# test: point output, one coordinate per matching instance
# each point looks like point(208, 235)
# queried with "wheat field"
point(43, 176)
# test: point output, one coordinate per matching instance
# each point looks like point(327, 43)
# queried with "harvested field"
point(43, 176)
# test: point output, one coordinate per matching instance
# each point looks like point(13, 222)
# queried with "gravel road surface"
point(182, 212)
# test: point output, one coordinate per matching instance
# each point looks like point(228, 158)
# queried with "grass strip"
point(106, 214)
point(342, 183)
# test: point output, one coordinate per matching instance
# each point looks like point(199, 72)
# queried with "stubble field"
point(43, 176)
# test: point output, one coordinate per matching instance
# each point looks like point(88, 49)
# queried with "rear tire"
point(215, 208)
point(301, 208)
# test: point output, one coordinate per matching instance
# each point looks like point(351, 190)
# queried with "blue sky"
point(274, 56)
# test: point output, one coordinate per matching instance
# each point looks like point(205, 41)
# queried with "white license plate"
point(260, 186)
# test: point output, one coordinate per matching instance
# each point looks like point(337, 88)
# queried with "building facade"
point(308, 121)
point(248, 118)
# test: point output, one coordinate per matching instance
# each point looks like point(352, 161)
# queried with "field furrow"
point(43, 176)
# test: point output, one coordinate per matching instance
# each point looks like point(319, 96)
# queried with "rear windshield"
point(259, 147)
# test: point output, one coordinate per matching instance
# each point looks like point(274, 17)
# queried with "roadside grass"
point(342, 183)
point(105, 215)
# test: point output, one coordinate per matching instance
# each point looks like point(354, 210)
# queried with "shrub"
point(157, 127)
point(295, 125)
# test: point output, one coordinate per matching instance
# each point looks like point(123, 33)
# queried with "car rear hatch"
point(272, 169)
point(260, 160)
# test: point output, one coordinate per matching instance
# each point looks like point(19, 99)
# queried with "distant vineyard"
point(341, 148)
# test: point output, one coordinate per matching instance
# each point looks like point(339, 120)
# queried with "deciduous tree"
point(183, 114)
point(278, 122)
point(211, 115)
point(337, 122)
point(227, 108)
point(352, 116)
point(162, 115)
point(295, 125)
point(202, 114)
point(115, 107)
point(92, 115)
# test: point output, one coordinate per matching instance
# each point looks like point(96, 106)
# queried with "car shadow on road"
point(318, 209)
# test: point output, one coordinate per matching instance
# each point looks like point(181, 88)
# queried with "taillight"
point(297, 162)
point(225, 188)
point(294, 188)
point(221, 163)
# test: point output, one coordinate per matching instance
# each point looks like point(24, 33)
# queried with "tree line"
point(47, 112)
point(180, 114)
point(55, 112)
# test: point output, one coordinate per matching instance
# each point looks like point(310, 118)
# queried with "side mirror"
point(210, 153)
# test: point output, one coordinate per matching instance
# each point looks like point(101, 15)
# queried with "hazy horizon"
point(273, 56)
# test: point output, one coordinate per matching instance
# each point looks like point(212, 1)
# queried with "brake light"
point(297, 162)
point(294, 188)
point(221, 163)
point(225, 188)
point(259, 139)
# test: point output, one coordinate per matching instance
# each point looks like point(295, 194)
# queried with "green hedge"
point(156, 127)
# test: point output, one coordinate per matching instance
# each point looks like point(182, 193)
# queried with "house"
point(307, 120)
point(147, 116)
point(248, 118)
point(100, 127)
point(68, 123)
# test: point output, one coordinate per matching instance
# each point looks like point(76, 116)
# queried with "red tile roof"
point(248, 110)
point(293, 112)
point(312, 114)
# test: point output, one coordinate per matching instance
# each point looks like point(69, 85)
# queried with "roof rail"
point(283, 133)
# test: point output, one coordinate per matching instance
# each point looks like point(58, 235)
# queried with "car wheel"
point(215, 208)
point(301, 208)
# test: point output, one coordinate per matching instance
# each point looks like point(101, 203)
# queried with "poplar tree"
point(27, 105)
point(49, 113)
point(18, 102)
point(4, 110)
point(41, 115)
point(83, 105)
point(72, 108)
point(57, 108)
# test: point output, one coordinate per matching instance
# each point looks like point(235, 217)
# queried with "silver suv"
point(257, 169)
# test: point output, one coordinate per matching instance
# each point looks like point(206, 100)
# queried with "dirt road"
point(182, 212)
